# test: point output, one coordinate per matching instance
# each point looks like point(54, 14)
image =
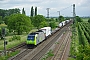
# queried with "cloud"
point(55, 5)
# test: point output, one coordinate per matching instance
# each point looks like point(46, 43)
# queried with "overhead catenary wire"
point(59, 11)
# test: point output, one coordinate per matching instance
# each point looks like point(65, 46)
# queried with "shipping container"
point(46, 30)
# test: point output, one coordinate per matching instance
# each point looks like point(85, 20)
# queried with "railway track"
point(17, 47)
point(40, 50)
point(21, 54)
point(64, 53)
point(43, 51)
point(60, 51)
point(65, 50)
point(13, 49)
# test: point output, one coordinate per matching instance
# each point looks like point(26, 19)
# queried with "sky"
point(82, 7)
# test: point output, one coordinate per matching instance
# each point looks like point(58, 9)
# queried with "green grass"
point(1, 42)
point(13, 43)
point(9, 55)
point(71, 58)
point(56, 42)
point(85, 19)
point(49, 54)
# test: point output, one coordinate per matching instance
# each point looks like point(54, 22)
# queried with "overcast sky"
point(64, 6)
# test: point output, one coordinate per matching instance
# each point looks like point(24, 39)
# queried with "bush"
point(14, 38)
point(52, 24)
point(78, 19)
point(89, 20)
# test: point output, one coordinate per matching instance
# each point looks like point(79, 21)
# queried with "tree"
point(43, 24)
point(23, 11)
point(5, 19)
point(56, 20)
point(89, 20)
point(78, 19)
point(38, 19)
point(19, 23)
point(61, 18)
point(32, 11)
point(4, 13)
point(52, 24)
point(35, 11)
point(14, 11)
point(1, 19)
point(32, 18)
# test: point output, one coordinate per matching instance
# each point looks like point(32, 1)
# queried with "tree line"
point(19, 22)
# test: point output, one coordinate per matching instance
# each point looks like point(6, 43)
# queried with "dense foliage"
point(89, 20)
point(1, 19)
point(61, 18)
point(19, 23)
point(78, 19)
point(52, 24)
point(38, 20)
point(4, 13)
point(5, 19)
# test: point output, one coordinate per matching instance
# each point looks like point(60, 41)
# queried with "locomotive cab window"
point(31, 37)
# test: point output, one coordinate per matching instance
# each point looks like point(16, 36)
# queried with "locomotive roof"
point(37, 32)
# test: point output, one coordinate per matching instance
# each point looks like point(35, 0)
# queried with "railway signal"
point(3, 32)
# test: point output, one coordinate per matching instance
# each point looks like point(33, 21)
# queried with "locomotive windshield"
point(30, 37)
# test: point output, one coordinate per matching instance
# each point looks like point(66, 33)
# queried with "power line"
point(66, 8)
point(59, 11)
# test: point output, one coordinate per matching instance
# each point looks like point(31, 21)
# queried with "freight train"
point(35, 38)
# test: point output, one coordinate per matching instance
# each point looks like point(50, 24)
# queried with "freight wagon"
point(46, 30)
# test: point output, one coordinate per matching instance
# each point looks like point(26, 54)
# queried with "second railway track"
point(61, 48)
